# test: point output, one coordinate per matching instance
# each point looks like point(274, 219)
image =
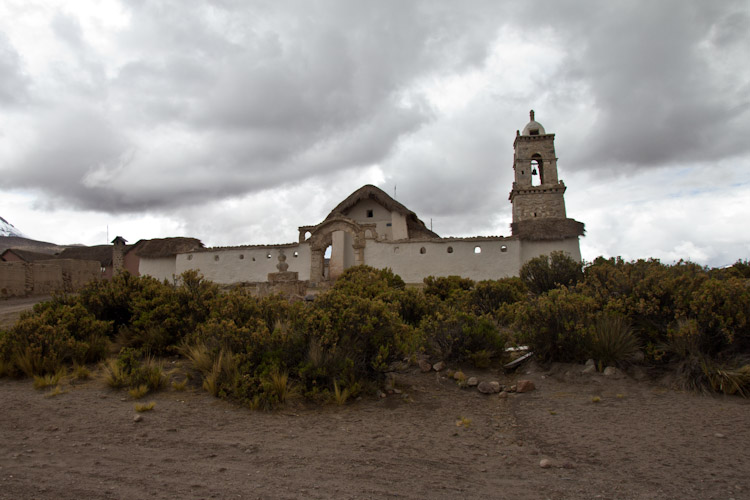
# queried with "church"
point(370, 227)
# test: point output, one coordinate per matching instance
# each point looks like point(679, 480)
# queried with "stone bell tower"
point(537, 192)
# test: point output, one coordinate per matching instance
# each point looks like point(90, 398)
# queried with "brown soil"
point(11, 309)
point(640, 441)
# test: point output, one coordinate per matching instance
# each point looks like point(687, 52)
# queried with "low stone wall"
point(21, 279)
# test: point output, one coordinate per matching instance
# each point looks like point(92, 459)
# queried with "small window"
point(190, 257)
point(388, 224)
point(396, 250)
point(369, 214)
point(503, 248)
point(216, 258)
point(253, 259)
point(423, 250)
point(450, 250)
point(242, 256)
point(296, 254)
point(268, 255)
point(534, 131)
point(477, 249)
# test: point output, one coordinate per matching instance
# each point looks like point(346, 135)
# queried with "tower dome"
point(533, 127)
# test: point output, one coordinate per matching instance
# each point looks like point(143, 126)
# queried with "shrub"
point(453, 335)
point(451, 288)
point(544, 273)
point(557, 325)
point(54, 334)
point(488, 295)
point(612, 341)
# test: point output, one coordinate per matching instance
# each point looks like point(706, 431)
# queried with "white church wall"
point(161, 268)
point(569, 246)
point(475, 258)
point(245, 264)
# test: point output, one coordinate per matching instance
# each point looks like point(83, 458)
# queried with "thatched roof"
point(416, 227)
point(547, 229)
point(100, 253)
point(27, 255)
point(166, 247)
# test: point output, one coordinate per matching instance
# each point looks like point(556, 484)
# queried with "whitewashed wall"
point(406, 259)
point(531, 249)
point(251, 264)
point(161, 269)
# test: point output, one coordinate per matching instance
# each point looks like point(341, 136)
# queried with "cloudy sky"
point(238, 121)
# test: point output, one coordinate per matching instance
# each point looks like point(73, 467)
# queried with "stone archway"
point(347, 241)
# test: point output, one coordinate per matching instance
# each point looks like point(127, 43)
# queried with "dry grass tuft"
point(138, 392)
point(340, 396)
point(48, 380)
point(141, 407)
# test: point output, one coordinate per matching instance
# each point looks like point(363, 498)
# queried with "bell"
point(533, 172)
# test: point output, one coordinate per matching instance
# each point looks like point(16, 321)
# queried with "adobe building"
point(369, 227)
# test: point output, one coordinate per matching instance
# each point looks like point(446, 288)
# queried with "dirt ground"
point(10, 309)
point(640, 441)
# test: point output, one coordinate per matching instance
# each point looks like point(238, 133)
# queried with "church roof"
point(416, 227)
point(533, 127)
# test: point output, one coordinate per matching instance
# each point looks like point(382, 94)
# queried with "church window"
point(423, 250)
point(450, 249)
point(216, 258)
point(369, 214)
point(477, 249)
point(268, 255)
point(296, 254)
point(503, 248)
point(242, 257)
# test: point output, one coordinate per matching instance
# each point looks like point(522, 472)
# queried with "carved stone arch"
point(322, 236)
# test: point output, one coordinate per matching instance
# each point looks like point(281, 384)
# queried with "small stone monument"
point(283, 276)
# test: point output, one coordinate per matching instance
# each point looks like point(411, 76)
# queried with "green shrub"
point(612, 340)
point(449, 288)
point(453, 335)
point(556, 325)
point(488, 295)
point(544, 273)
point(52, 335)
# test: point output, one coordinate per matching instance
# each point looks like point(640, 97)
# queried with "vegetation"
point(262, 352)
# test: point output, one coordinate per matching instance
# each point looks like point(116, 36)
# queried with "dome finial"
point(531, 114)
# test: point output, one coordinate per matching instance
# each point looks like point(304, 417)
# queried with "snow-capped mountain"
point(7, 229)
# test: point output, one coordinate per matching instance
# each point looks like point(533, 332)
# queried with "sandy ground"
point(10, 309)
point(641, 441)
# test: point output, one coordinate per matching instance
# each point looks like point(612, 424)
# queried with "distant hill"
point(29, 244)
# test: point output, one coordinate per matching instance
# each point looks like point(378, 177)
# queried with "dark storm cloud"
point(666, 78)
point(203, 101)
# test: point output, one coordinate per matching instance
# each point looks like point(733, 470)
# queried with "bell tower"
point(537, 192)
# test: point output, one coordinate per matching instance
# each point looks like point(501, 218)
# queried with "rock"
point(472, 382)
point(610, 371)
point(137, 418)
point(545, 463)
point(424, 366)
point(719, 435)
point(512, 388)
point(590, 362)
point(381, 394)
point(589, 369)
point(525, 386)
point(485, 387)
point(459, 376)
point(503, 395)
point(440, 365)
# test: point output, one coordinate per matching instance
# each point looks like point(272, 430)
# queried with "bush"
point(456, 336)
point(450, 288)
point(612, 341)
point(56, 333)
point(488, 295)
point(544, 273)
point(557, 325)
